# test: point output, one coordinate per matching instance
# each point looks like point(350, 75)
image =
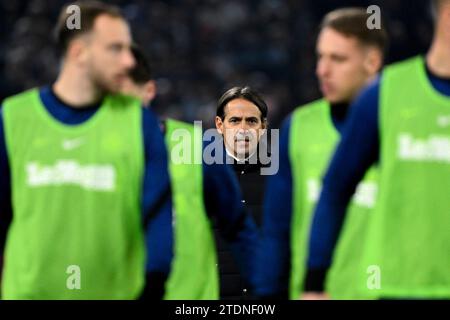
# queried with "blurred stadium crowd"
point(200, 48)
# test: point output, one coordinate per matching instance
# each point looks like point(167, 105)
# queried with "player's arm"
point(223, 202)
point(5, 192)
point(273, 258)
point(157, 208)
point(357, 151)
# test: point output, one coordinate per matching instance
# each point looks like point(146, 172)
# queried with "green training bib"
point(409, 236)
point(76, 231)
point(194, 274)
point(313, 139)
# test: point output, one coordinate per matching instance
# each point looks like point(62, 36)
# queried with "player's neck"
point(74, 88)
point(438, 58)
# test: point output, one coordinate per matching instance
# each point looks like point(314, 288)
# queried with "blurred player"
point(87, 171)
point(201, 193)
point(349, 56)
point(401, 122)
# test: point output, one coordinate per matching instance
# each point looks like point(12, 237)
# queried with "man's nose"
point(243, 127)
point(322, 69)
point(128, 60)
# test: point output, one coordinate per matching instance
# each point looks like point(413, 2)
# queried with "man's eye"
point(340, 59)
point(116, 48)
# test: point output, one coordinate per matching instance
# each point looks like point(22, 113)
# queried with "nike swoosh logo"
point(72, 144)
point(408, 113)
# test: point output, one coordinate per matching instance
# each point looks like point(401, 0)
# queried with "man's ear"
point(149, 91)
point(373, 61)
point(76, 51)
point(264, 123)
point(219, 124)
point(263, 129)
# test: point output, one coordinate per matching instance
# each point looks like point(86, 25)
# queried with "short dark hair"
point(438, 3)
point(436, 6)
point(353, 22)
point(142, 70)
point(241, 93)
point(89, 11)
